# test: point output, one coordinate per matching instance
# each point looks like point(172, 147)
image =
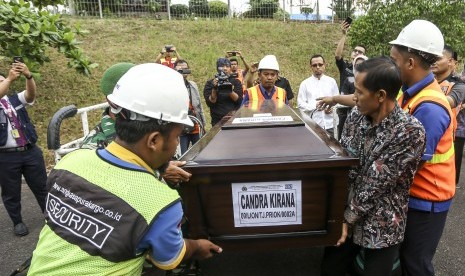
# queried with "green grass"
point(199, 42)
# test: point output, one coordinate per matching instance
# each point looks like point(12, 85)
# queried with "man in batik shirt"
point(389, 144)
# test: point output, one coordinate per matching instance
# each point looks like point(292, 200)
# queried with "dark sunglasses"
point(315, 65)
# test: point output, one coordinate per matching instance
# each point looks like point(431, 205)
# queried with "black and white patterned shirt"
point(389, 155)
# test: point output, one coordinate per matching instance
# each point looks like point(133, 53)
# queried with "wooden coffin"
point(266, 177)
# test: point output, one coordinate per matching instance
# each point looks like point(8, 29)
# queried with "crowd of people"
point(113, 205)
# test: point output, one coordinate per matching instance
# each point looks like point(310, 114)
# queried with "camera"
point(232, 53)
point(223, 82)
point(18, 59)
point(185, 71)
point(169, 48)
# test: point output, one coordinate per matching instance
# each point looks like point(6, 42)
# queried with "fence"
point(308, 10)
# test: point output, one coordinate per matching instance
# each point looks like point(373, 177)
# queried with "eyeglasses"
point(315, 65)
point(359, 51)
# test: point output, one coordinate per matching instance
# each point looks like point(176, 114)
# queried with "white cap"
point(269, 62)
point(155, 91)
point(423, 36)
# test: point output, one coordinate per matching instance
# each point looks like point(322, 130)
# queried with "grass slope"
point(199, 42)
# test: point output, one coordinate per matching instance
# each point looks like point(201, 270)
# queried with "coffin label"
point(262, 119)
point(267, 203)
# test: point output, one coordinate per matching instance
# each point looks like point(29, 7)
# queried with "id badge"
point(15, 133)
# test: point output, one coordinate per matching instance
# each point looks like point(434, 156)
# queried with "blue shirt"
point(434, 117)
point(435, 120)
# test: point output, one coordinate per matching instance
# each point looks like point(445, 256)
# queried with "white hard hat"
point(423, 36)
point(154, 91)
point(269, 62)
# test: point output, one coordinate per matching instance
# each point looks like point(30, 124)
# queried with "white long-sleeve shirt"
point(313, 88)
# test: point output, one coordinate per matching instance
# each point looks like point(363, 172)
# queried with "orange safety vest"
point(168, 62)
point(240, 77)
point(435, 181)
point(256, 96)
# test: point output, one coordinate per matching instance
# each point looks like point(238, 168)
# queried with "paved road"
point(449, 259)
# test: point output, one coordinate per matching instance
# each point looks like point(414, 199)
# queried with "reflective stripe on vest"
point(95, 221)
point(432, 95)
point(256, 96)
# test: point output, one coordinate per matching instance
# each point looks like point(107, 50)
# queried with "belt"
point(17, 149)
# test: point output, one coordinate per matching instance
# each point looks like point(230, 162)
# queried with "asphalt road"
point(449, 258)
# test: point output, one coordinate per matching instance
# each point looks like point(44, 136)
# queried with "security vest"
point(256, 96)
point(98, 209)
point(25, 122)
point(435, 181)
point(168, 62)
point(446, 87)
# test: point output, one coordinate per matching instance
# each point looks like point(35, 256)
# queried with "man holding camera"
point(19, 156)
point(191, 134)
point(223, 93)
point(235, 70)
point(165, 57)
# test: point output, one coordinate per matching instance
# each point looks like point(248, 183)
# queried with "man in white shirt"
point(316, 86)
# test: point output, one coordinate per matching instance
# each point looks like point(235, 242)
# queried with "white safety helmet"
point(153, 91)
point(269, 62)
point(423, 36)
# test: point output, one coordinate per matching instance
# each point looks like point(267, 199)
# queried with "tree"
point(199, 7)
point(264, 8)
point(342, 8)
point(386, 18)
point(218, 9)
point(179, 10)
point(28, 33)
point(306, 11)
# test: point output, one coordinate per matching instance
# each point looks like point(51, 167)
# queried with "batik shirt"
point(379, 186)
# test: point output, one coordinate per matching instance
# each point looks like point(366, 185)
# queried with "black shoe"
point(21, 229)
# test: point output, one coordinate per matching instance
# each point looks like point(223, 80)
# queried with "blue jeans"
point(187, 139)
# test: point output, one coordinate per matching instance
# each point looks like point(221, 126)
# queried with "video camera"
point(223, 82)
point(184, 71)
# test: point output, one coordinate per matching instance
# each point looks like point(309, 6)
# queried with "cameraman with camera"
point(223, 93)
point(165, 57)
point(191, 134)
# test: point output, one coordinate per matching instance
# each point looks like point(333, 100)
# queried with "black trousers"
point(422, 235)
point(458, 147)
point(339, 261)
point(13, 165)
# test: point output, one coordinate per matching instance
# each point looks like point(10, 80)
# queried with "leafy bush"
point(154, 6)
point(218, 9)
point(264, 8)
point(179, 10)
point(281, 14)
point(342, 8)
point(306, 11)
point(199, 7)
point(28, 33)
point(394, 15)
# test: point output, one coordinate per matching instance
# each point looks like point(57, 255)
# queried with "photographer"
point(165, 57)
point(235, 70)
point(19, 155)
point(191, 134)
point(223, 93)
